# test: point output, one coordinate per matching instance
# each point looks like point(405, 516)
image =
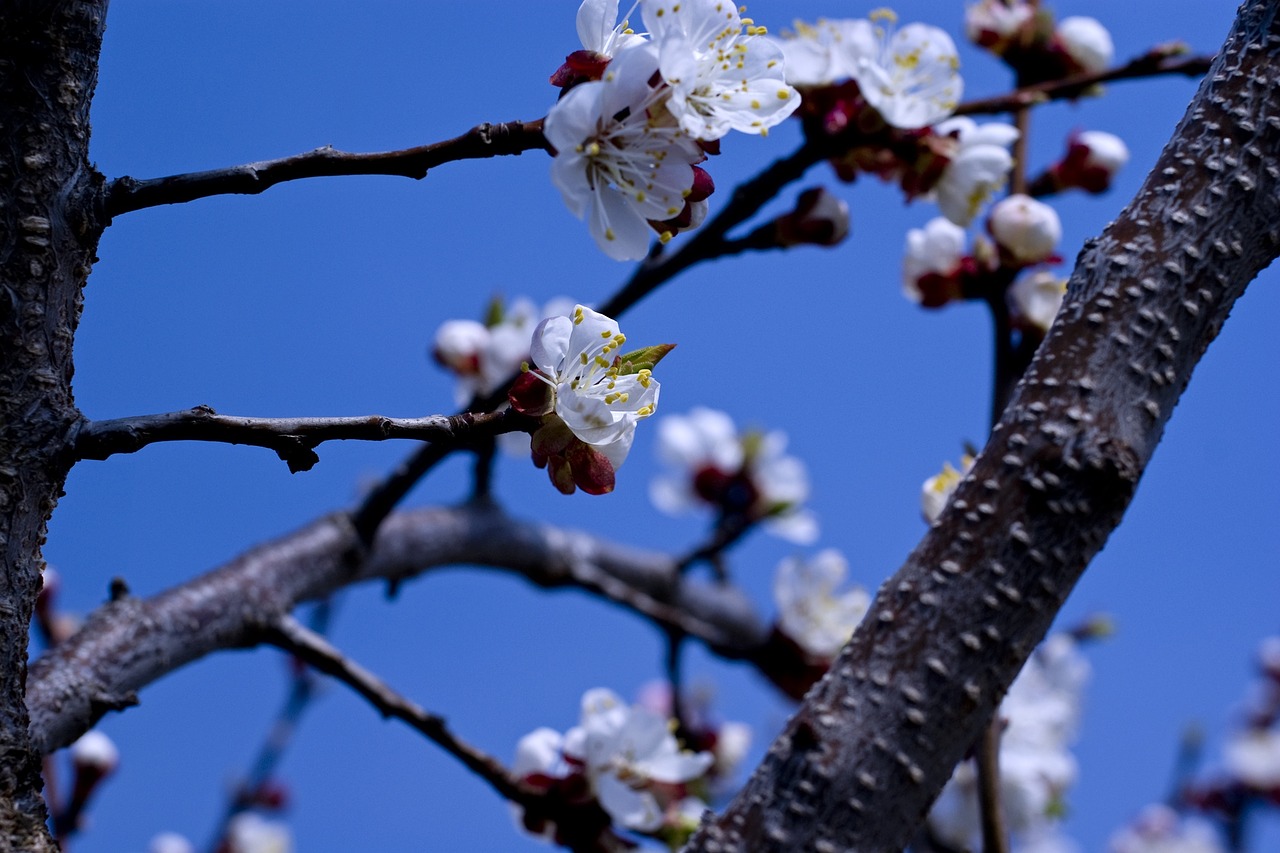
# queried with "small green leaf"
point(642, 359)
point(494, 313)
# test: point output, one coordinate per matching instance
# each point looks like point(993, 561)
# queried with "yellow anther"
point(524, 367)
point(609, 235)
point(755, 105)
point(886, 15)
point(783, 94)
point(665, 237)
point(619, 339)
point(601, 361)
point(578, 316)
point(583, 356)
point(644, 411)
point(606, 334)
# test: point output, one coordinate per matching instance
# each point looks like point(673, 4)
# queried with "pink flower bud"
point(1026, 230)
point(458, 344)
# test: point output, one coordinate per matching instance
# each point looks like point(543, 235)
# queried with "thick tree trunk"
point(48, 234)
point(860, 763)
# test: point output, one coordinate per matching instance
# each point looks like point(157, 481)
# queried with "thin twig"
point(995, 839)
point(289, 634)
point(302, 690)
point(124, 195)
point(1155, 63)
point(293, 439)
point(1021, 147)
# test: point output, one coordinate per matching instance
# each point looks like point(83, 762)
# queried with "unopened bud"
point(95, 751)
point(820, 218)
point(995, 24)
point(458, 344)
point(1035, 299)
point(1027, 230)
point(1086, 42)
point(1092, 160)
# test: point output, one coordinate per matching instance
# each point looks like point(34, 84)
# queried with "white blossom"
point(1253, 758)
point(810, 611)
point(481, 356)
point(619, 162)
point(249, 832)
point(990, 21)
point(1159, 829)
point(978, 165)
point(912, 78)
point(1037, 298)
point(720, 79)
point(1041, 713)
point(625, 749)
point(1029, 230)
point(1087, 42)
point(827, 51)
point(600, 30)
point(939, 488)
point(574, 356)
point(170, 842)
point(710, 462)
point(934, 249)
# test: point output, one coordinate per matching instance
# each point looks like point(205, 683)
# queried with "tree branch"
point(128, 643)
point(1159, 62)
point(293, 439)
point(859, 764)
point(124, 195)
point(314, 650)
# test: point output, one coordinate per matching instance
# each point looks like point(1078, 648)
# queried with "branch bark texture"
point(861, 761)
point(130, 642)
point(48, 69)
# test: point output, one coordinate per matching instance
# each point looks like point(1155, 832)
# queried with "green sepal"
point(642, 359)
point(494, 313)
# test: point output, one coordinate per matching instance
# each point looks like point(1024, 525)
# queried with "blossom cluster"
point(1025, 35)
point(745, 476)
point(639, 112)
point(811, 613)
point(622, 757)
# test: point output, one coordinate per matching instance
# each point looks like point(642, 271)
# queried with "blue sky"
point(321, 297)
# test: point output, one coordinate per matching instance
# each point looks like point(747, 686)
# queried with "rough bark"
point(861, 761)
point(129, 643)
point(48, 68)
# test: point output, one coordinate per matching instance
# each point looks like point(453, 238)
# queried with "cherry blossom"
point(249, 832)
point(826, 51)
point(1252, 757)
point(937, 490)
point(628, 756)
point(979, 164)
point(484, 355)
point(820, 218)
point(810, 612)
point(600, 30)
point(912, 78)
point(1086, 42)
point(931, 262)
point(589, 396)
point(1159, 829)
point(739, 474)
point(1037, 298)
point(993, 24)
point(1041, 713)
point(1026, 229)
point(170, 842)
point(720, 79)
point(620, 161)
point(1092, 160)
